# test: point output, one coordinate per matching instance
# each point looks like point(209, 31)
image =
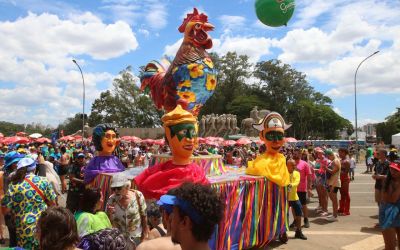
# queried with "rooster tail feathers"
point(152, 78)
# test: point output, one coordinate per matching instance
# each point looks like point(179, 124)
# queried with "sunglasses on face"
point(274, 136)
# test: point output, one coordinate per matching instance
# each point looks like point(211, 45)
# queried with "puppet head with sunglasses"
point(272, 131)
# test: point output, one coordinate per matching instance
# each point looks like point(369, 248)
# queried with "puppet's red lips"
point(188, 147)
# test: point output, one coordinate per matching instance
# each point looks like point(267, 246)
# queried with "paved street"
point(350, 232)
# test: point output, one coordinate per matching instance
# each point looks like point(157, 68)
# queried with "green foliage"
point(391, 126)
point(10, 129)
point(276, 87)
point(125, 105)
point(73, 124)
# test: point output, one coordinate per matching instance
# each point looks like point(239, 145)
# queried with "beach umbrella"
point(160, 142)
point(229, 143)
point(16, 139)
point(43, 140)
point(35, 135)
point(243, 141)
point(290, 139)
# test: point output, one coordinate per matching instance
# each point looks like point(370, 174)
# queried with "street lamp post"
point(355, 98)
point(83, 99)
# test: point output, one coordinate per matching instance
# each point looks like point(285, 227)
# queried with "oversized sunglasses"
point(274, 136)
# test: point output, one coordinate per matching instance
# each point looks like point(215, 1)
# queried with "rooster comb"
point(193, 17)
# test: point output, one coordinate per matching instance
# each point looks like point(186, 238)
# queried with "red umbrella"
point(67, 138)
point(243, 141)
point(15, 139)
point(201, 139)
point(212, 143)
point(290, 139)
point(43, 140)
point(148, 141)
point(160, 142)
point(259, 142)
point(126, 138)
point(20, 134)
point(229, 143)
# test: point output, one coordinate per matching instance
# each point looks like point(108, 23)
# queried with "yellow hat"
point(177, 116)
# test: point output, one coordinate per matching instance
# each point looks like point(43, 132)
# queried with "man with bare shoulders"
point(165, 242)
point(64, 166)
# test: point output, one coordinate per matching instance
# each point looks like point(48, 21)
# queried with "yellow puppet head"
point(181, 133)
point(272, 129)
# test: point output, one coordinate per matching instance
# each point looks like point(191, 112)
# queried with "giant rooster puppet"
point(191, 78)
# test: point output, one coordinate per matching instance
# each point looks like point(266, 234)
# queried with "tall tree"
point(125, 105)
point(233, 72)
point(389, 127)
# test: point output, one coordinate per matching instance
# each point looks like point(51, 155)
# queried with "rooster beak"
point(208, 27)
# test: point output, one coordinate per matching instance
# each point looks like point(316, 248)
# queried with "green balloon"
point(274, 13)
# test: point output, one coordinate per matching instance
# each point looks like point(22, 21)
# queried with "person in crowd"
point(333, 183)
point(56, 230)
point(352, 166)
point(165, 242)
point(89, 217)
point(381, 171)
point(76, 183)
point(344, 203)
point(11, 160)
point(2, 155)
point(320, 180)
point(126, 209)
point(156, 226)
point(196, 210)
point(51, 176)
point(369, 159)
point(304, 185)
point(389, 219)
point(27, 197)
point(293, 198)
point(64, 168)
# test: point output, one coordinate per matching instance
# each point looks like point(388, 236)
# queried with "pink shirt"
point(305, 171)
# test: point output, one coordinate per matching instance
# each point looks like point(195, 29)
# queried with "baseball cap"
point(166, 201)
point(12, 157)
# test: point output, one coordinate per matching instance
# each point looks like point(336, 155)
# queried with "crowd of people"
point(34, 178)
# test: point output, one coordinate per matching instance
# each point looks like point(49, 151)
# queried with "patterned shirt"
point(27, 206)
point(128, 220)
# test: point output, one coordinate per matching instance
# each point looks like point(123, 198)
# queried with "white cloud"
point(254, 47)
point(232, 22)
point(154, 12)
point(144, 32)
point(36, 54)
point(351, 32)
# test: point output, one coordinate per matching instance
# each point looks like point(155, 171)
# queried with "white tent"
point(396, 139)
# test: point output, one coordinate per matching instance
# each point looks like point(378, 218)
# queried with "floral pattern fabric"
point(195, 82)
point(128, 220)
point(27, 206)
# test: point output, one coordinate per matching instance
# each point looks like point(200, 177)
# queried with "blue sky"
point(324, 39)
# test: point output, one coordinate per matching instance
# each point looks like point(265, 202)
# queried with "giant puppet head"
point(195, 28)
point(272, 131)
point(181, 133)
point(105, 139)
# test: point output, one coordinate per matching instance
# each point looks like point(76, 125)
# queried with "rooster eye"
point(197, 26)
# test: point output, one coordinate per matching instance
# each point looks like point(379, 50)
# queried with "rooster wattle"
point(191, 77)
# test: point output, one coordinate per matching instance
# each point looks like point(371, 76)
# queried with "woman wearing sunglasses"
point(126, 209)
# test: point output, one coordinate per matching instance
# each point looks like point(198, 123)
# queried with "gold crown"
point(177, 116)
